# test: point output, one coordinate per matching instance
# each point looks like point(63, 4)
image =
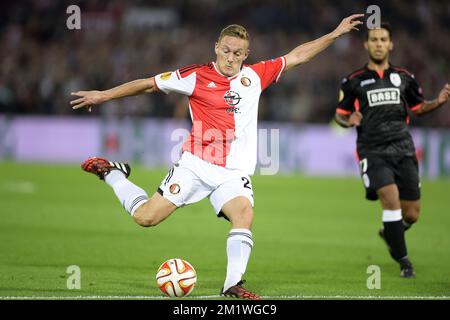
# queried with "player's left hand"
point(87, 99)
point(444, 94)
point(348, 24)
point(355, 119)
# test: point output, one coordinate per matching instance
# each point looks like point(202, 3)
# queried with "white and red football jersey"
point(224, 110)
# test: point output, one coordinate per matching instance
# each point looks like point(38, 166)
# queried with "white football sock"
point(130, 195)
point(239, 247)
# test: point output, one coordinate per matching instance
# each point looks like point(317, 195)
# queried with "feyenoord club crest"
point(246, 81)
point(395, 79)
point(174, 188)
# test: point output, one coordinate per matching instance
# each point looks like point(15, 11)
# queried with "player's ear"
point(391, 45)
point(216, 48)
point(366, 46)
point(247, 53)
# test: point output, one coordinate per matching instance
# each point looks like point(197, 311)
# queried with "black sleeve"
point(413, 92)
point(346, 98)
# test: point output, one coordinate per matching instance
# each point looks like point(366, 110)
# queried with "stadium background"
point(42, 141)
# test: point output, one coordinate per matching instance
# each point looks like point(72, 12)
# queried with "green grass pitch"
point(314, 238)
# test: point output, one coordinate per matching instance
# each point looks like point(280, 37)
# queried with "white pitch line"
point(218, 296)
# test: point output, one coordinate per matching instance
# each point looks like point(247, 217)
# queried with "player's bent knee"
point(145, 218)
point(145, 221)
point(412, 220)
point(240, 212)
point(411, 211)
point(150, 215)
point(412, 215)
point(244, 215)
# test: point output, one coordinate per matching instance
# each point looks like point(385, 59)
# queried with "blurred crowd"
point(42, 61)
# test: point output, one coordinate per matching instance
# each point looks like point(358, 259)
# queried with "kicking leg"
point(146, 212)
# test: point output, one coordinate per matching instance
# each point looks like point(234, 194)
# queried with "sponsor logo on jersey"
point(166, 76)
point(211, 85)
point(233, 110)
point(246, 81)
point(174, 188)
point(232, 98)
point(395, 79)
point(367, 82)
point(384, 96)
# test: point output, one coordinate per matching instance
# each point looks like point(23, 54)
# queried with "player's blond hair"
point(235, 30)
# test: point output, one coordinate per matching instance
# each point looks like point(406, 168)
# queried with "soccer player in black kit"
point(377, 99)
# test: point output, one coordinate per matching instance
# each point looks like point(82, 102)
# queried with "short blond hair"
point(235, 30)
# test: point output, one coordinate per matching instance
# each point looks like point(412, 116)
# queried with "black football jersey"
point(383, 98)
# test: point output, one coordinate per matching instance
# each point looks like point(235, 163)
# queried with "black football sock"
point(394, 233)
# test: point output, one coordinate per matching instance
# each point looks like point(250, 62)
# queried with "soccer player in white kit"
point(220, 154)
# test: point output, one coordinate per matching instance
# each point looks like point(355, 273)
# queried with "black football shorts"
point(378, 171)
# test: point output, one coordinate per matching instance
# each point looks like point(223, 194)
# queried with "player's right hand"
point(444, 94)
point(348, 24)
point(355, 119)
point(87, 99)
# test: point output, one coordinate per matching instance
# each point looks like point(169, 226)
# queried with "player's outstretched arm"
point(428, 106)
point(87, 99)
point(307, 51)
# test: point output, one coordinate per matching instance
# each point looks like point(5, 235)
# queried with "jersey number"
point(363, 165)
point(247, 183)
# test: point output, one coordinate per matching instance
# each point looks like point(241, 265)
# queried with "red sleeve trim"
point(416, 107)
point(188, 70)
point(154, 82)
point(343, 111)
point(356, 104)
point(283, 60)
point(354, 74)
point(403, 70)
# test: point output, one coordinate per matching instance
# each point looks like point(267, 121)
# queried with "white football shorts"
point(192, 179)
